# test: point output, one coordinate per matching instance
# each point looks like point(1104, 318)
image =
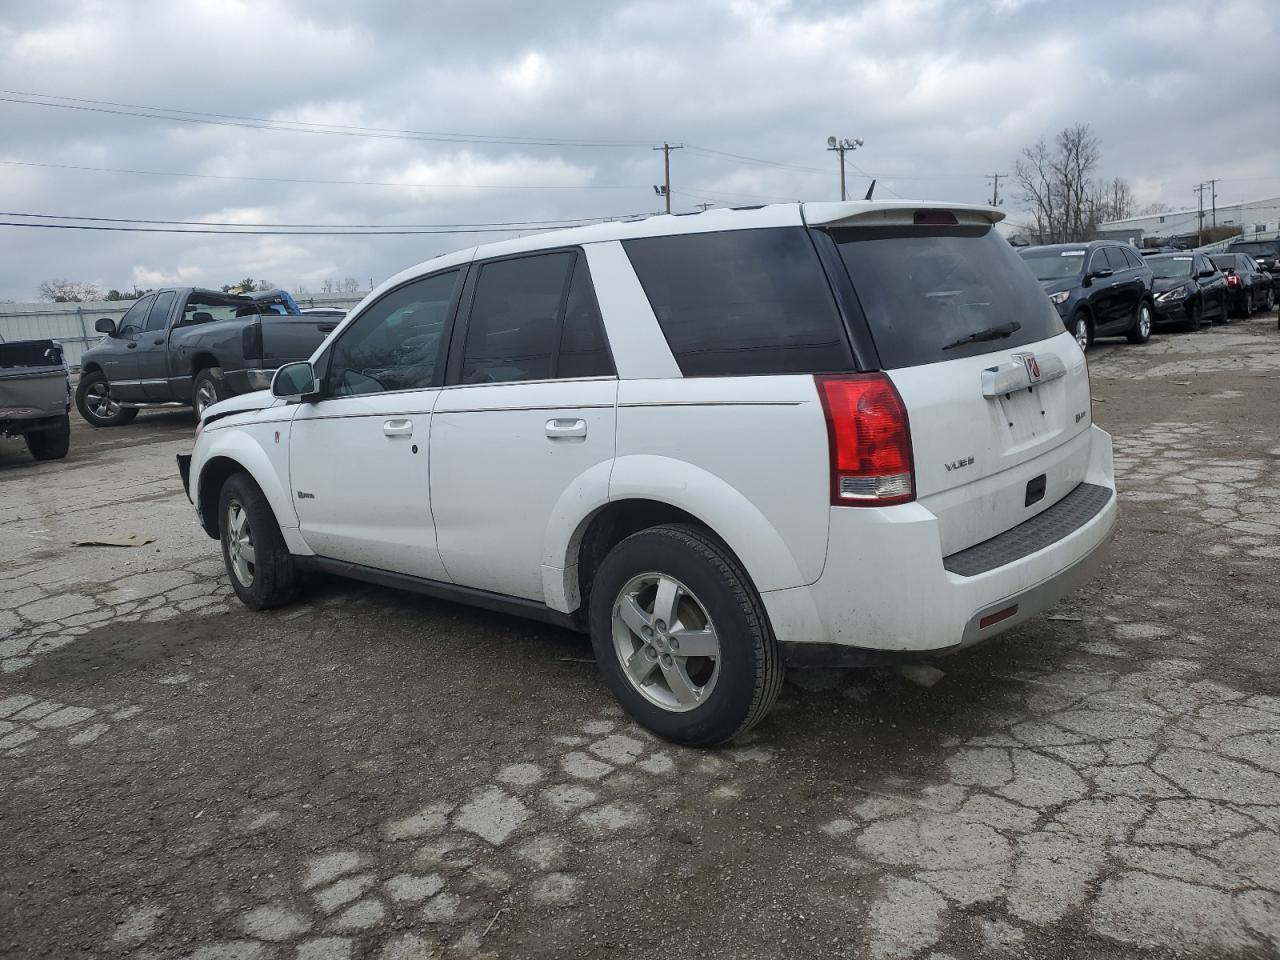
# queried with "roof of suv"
point(813, 214)
point(1081, 245)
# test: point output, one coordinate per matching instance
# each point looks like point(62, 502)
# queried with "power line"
point(264, 233)
point(296, 126)
point(756, 160)
point(541, 224)
point(309, 180)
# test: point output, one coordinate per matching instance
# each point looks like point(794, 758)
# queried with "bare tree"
point(327, 285)
point(1058, 184)
point(69, 291)
point(1152, 209)
point(350, 285)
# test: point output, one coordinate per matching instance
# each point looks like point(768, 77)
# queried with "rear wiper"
point(998, 332)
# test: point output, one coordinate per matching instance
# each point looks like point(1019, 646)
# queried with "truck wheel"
point(261, 569)
point(50, 444)
point(1140, 332)
point(208, 389)
point(682, 638)
point(93, 400)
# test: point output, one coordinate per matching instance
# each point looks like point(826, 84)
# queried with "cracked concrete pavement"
point(372, 774)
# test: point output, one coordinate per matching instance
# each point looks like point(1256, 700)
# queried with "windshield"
point(937, 293)
point(1054, 264)
point(1167, 268)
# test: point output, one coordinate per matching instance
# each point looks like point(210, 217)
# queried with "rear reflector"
point(993, 618)
point(869, 439)
point(935, 218)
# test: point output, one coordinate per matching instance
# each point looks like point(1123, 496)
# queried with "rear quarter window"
point(926, 291)
point(742, 302)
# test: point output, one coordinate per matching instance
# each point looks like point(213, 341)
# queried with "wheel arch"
point(233, 454)
point(645, 491)
point(203, 360)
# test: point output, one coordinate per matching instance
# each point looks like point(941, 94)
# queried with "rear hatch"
point(33, 380)
point(997, 393)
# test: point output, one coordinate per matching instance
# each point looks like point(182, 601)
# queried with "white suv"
point(808, 434)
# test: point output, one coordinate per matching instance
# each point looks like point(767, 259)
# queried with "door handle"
point(562, 429)
point(133, 345)
point(398, 427)
point(159, 342)
point(326, 327)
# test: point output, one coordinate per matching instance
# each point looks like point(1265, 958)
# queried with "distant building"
point(1259, 218)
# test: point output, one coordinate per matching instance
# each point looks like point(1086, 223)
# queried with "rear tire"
point(50, 444)
point(690, 698)
point(207, 389)
point(93, 400)
point(259, 564)
point(1140, 332)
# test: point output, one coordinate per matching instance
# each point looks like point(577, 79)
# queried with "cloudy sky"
point(942, 92)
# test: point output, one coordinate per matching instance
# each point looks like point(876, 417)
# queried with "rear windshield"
point(938, 293)
point(742, 302)
point(1054, 264)
point(1168, 268)
point(30, 353)
point(1224, 261)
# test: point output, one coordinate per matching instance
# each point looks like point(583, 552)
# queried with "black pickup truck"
point(35, 396)
point(192, 346)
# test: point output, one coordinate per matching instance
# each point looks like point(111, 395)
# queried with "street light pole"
point(840, 146)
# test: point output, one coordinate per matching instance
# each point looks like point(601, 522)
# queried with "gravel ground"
point(371, 774)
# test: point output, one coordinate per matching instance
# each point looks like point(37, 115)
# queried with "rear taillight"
point(1233, 280)
point(870, 440)
point(251, 341)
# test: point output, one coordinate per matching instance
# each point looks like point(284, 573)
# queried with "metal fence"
point(71, 324)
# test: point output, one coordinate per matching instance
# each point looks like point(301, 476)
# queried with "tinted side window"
point(395, 344)
point(1133, 258)
point(583, 350)
point(742, 302)
point(159, 315)
point(515, 319)
point(1098, 261)
point(136, 315)
point(1114, 258)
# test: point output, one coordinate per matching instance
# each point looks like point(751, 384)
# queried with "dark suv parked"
point(1101, 288)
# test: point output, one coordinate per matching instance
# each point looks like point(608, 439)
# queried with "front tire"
point(1140, 332)
point(681, 637)
point(259, 564)
point(94, 401)
point(51, 444)
point(1082, 330)
point(1192, 323)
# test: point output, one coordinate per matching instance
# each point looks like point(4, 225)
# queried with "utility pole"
point(840, 147)
point(1213, 192)
point(995, 187)
point(1198, 189)
point(665, 189)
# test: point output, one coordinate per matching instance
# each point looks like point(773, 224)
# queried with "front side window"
point(136, 316)
point(742, 302)
point(159, 315)
point(395, 344)
point(514, 322)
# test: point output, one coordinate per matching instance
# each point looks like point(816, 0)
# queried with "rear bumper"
point(887, 588)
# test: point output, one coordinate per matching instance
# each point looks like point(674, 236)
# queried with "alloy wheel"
point(1144, 320)
point(665, 641)
point(1082, 333)
point(206, 396)
point(240, 543)
point(98, 400)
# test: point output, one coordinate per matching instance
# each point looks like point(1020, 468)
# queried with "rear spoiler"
point(872, 213)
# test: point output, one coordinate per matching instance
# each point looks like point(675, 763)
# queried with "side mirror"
point(294, 381)
point(1207, 274)
point(105, 325)
point(1100, 274)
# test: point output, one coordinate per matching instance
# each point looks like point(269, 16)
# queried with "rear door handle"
point(326, 327)
point(564, 428)
point(133, 345)
point(398, 427)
